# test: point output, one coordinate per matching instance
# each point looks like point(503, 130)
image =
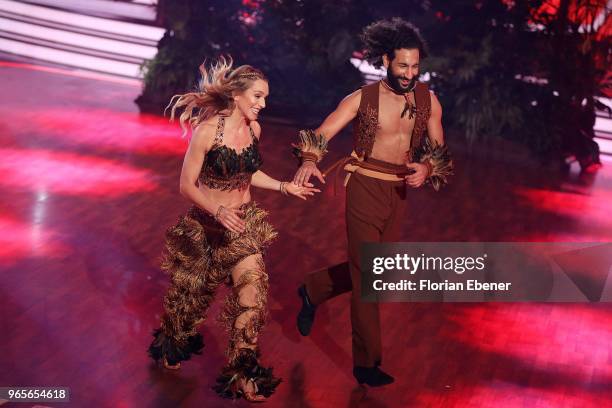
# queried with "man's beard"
point(395, 84)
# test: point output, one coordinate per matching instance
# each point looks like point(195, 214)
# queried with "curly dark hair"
point(385, 36)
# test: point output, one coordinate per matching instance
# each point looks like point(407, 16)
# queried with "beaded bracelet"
point(283, 188)
point(218, 214)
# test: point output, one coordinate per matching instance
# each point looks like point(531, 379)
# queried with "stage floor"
point(89, 186)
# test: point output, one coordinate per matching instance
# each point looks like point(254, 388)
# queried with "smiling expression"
point(253, 100)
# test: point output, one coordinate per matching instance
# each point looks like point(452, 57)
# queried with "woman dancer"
point(223, 236)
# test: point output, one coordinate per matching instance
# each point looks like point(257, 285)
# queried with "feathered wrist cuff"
point(439, 163)
point(311, 147)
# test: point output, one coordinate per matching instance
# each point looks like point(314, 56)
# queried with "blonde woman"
point(223, 236)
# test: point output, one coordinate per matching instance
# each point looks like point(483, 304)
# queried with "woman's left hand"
point(300, 191)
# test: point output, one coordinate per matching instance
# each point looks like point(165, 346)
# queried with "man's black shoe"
point(372, 376)
point(307, 313)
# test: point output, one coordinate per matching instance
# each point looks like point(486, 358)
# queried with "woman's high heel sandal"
point(245, 378)
point(171, 366)
point(249, 390)
point(170, 352)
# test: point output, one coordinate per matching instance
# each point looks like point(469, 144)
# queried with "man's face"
point(403, 70)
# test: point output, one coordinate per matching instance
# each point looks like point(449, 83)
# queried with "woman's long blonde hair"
point(214, 93)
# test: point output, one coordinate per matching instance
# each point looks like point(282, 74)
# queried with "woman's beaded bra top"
point(224, 168)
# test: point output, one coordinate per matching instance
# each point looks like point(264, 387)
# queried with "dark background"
point(525, 71)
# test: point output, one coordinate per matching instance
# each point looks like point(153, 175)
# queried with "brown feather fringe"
point(199, 256)
point(164, 346)
point(245, 366)
point(310, 142)
point(257, 236)
point(440, 160)
point(193, 278)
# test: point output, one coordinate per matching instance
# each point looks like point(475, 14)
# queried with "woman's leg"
point(193, 282)
point(244, 316)
point(246, 307)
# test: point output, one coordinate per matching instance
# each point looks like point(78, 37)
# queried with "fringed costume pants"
point(200, 255)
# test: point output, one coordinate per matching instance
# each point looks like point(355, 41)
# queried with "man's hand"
point(419, 176)
point(306, 170)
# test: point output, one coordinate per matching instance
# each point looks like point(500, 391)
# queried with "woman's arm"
point(199, 145)
point(262, 180)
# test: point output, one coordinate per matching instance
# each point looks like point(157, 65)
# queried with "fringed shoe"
point(166, 349)
point(244, 377)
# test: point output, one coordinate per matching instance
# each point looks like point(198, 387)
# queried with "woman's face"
point(253, 99)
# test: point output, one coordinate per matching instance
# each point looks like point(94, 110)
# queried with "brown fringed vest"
point(365, 123)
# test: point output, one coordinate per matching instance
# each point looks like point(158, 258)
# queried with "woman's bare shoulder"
point(205, 131)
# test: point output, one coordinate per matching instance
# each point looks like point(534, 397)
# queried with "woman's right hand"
point(231, 218)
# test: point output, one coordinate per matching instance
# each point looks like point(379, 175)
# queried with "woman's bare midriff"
point(228, 199)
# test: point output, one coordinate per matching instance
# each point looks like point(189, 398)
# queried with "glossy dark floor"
point(88, 187)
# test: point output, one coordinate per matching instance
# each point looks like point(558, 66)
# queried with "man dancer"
point(391, 121)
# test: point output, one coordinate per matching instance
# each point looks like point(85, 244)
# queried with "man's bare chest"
point(391, 123)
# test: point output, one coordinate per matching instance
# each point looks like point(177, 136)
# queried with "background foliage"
point(524, 70)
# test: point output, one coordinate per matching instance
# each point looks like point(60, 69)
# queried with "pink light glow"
point(19, 240)
point(117, 131)
point(71, 174)
point(547, 346)
point(585, 207)
point(513, 396)
point(571, 340)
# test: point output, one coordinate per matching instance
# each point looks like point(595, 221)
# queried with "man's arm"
point(434, 124)
point(338, 119)
point(435, 163)
point(436, 136)
point(331, 126)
